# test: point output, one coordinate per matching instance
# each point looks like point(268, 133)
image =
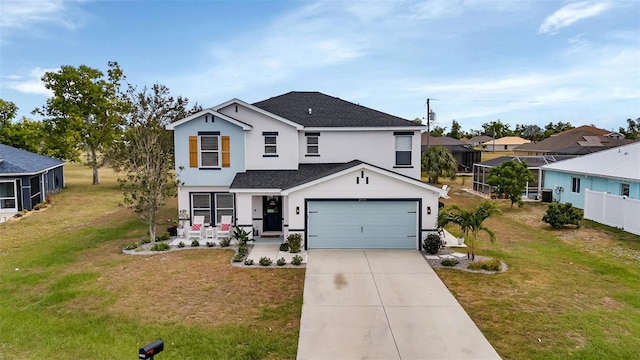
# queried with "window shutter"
point(193, 151)
point(226, 152)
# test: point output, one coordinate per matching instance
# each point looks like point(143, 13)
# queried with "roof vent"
point(309, 111)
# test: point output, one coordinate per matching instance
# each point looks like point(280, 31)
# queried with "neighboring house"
point(464, 154)
point(478, 140)
point(481, 171)
point(577, 141)
point(504, 143)
point(615, 171)
point(340, 174)
point(25, 179)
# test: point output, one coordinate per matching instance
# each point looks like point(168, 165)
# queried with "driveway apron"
point(382, 304)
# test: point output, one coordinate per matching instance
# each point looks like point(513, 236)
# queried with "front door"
point(272, 213)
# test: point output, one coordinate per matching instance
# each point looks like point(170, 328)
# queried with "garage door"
point(362, 224)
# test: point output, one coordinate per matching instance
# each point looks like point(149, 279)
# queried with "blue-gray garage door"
point(362, 224)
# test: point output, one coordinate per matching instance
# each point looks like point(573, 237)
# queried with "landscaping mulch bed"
point(463, 262)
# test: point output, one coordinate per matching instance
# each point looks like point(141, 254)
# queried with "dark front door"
point(272, 213)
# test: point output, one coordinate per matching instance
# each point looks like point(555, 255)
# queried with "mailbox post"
point(150, 350)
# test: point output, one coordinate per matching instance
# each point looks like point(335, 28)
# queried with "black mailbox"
point(150, 350)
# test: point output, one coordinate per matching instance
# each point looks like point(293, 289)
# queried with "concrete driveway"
point(382, 304)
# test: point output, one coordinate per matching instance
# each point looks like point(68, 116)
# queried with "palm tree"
point(469, 222)
point(438, 162)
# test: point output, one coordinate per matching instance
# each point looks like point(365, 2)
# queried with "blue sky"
point(523, 62)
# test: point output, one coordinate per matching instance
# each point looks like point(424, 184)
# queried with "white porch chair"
point(223, 230)
point(196, 230)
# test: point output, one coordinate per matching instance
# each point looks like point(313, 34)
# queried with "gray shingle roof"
point(622, 162)
point(18, 161)
point(572, 141)
point(286, 179)
point(327, 111)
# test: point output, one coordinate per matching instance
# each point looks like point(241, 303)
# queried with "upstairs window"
point(575, 185)
point(270, 144)
point(313, 144)
point(403, 149)
point(210, 151)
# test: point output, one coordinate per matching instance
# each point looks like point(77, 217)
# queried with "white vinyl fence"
point(613, 210)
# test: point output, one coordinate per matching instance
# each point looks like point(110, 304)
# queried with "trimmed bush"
point(243, 249)
point(237, 257)
point(489, 265)
point(195, 243)
point(295, 241)
point(160, 246)
point(558, 215)
point(265, 261)
point(225, 242)
point(281, 262)
point(449, 262)
point(248, 262)
point(131, 247)
point(284, 246)
point(297, 260)
point(181, 244)
point(211, 244)
point(432, 244)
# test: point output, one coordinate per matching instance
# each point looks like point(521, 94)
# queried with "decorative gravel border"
point(462, 262)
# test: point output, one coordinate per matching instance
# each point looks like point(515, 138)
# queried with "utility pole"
point(430, 115)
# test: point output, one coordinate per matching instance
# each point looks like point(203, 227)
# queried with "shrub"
point(489, 265)
point(181, 244)
point(243, 249)
point(558, 215)
point(40, 206)
point(131, 246)
point(160, 246)
point(294, 240)
point(248, 262)
point(265, 261)
point(297, 260)
point(284, 246)
point(211, 244)
point(165, 236)
point(281, 262)
point(145, 240)
point(195, 243)
point(237, 257)
point(432, 244)
point(172, 230)
point(449, 262)
point(225, 242)
point(17, 215)
point(241, 235)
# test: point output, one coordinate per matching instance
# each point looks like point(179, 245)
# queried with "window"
point(270, 143)
point(8, 200)
point(403, 150)
point(210, 151)
point(575, 185)
point(312, 144)
point(224, 206)
point(624, 189)
point(201, 206)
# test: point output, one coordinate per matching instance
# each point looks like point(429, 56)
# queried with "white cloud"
point(571, 13)
point(19, 14)
point(30, 83)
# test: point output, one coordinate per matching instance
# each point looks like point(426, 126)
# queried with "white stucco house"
point(340, 174)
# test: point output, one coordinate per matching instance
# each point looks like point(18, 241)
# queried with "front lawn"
point(569, 293)
point(67, 291)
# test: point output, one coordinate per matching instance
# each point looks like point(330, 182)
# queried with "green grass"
point(569, 293)
point(58, 291)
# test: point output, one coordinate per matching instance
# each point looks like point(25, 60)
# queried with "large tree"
point(144, 154)
point(85, 112)
point(470, 222)
point(633, 129)
point(25, 134)
point(456, 130)
point(496, 129)
point(510, 178)
point(438, 162)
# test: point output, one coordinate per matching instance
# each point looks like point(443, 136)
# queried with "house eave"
point(32, 172)
point(364, 128)
point(257, 109)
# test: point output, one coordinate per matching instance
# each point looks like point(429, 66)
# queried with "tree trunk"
point(94, 166)
point(152, 231)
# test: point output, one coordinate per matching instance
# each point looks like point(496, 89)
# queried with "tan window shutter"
point(226, 152)
point(193, 151)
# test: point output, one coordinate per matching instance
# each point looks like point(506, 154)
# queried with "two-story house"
point(341, 174)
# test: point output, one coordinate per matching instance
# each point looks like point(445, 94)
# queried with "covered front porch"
point(264, 215)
